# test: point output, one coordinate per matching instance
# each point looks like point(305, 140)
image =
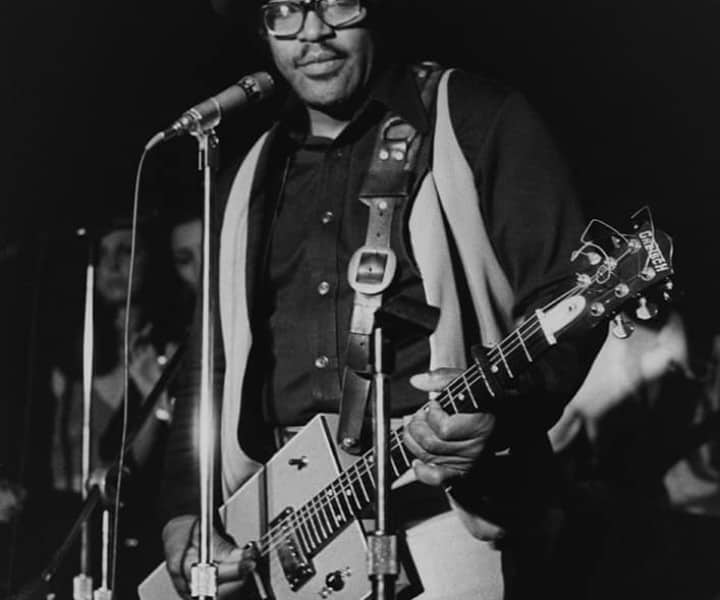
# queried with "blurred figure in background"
point(641, 442)
point(186, 256)
point(52, 445)
point(111, 286)
point(186, 246)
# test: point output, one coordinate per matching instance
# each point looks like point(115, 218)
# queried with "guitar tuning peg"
point(622, 328)
point(645, 310)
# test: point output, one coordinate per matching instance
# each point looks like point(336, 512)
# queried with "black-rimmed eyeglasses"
point(285, 19)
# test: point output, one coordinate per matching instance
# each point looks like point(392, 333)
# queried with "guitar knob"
point(622, 328)
point(645, 310)
point(335, 581)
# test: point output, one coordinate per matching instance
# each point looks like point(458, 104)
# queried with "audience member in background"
point(186, 246)
point(55, 480)
point(642, 443)
point(179, 266)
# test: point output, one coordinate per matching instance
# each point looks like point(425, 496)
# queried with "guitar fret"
point(316, 536)
point(343, 503)
point(371, 479)
point(347, 497)
point(486, 382)
point(504, 361)
point(392, 465)
point(332, 504)
point(310, 545)
point(402, 449)
point(469, 390)
point(362, 483)
point(297, 526)
point(524, 347)
point(324, 520)
point(338, 512)
point(452, 400)
point(329, 513)
point(350, 490)
point(326, 508)
point(318, 520)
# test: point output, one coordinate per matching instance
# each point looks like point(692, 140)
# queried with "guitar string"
point(346, 480)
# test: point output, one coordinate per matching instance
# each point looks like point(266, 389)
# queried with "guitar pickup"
point(293, 559)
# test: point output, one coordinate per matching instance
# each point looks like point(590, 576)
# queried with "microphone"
point(208, 114)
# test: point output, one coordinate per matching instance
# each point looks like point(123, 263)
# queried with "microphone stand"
point(104, 592)
point(398, 321)
point(203, 574)
point(82, 582)
point(382, 545)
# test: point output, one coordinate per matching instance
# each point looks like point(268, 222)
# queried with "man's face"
point(325, 66)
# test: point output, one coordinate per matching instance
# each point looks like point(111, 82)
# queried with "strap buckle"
point(371, 269)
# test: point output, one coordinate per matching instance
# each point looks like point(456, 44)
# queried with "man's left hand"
point(446, 446)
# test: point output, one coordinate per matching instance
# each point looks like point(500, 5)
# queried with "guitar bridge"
point(293, 559)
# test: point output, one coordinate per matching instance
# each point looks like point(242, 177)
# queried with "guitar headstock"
point(615, 269)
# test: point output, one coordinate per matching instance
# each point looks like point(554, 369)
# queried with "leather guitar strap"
point(372, 267)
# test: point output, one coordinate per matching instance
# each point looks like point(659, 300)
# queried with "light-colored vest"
point(449, 189)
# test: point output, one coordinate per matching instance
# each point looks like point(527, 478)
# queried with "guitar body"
point(444, 561)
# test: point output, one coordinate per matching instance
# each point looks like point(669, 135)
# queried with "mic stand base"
point(82, 587)
point(203, 580)
point(382, 564)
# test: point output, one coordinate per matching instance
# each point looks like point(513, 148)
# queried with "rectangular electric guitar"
point(301, 509)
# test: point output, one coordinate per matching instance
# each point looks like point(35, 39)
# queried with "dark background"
point(630, 88)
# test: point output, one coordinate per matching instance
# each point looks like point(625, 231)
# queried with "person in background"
point(186, 247)
point(54, 482)
point(641, 441)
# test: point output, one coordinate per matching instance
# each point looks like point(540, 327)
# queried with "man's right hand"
point(181, 540)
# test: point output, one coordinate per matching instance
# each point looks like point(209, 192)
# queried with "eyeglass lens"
point(287, 18)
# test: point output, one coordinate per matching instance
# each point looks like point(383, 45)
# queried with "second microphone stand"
point(382, 544)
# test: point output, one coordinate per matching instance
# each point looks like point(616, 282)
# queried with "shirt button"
point(327, 217)
point(323, 288)
point(322, 361)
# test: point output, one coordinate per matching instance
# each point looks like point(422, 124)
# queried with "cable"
point(126, 368)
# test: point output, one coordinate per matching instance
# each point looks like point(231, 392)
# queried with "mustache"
point(313, 53)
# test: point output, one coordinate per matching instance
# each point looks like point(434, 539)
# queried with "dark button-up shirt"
point(306, 299)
